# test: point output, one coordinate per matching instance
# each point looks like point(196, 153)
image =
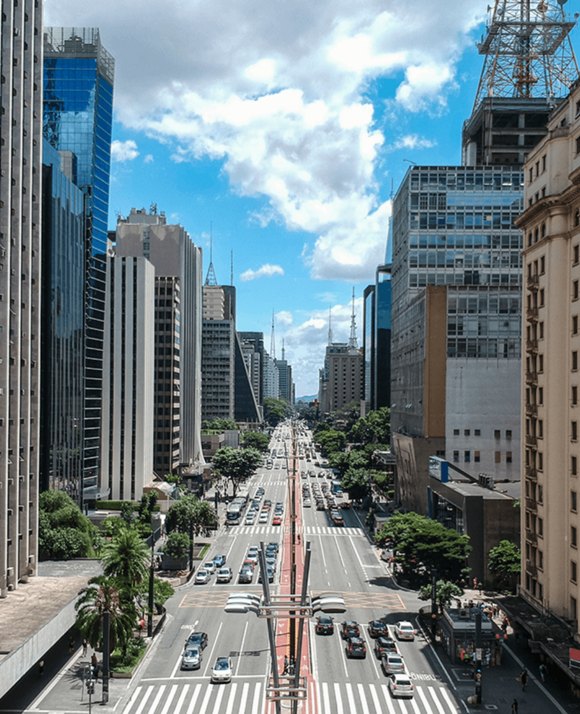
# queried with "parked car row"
point(191, 658)
point(217, 565)
point(250, 563)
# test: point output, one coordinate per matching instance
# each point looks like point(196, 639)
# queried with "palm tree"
point(126, 559)
point(99, 597)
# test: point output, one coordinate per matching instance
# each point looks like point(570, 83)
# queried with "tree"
point(177, 545)
point(276, 410)
point(357, 482)
point(236, 465)
point(147, 506)
point(191, 515)
point(504, 563)
point(374, 428)
point(100, 596)
point(126, 560)
point(423, 547)
point(331, 440)
point(445, 591)
point(64, 532)
point(218, 426)
point(256, 440)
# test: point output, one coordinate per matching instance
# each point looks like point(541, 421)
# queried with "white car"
point(202, 577)
point(250, 519)
point(222, 670)
point(400, 685)
point(209, 566)
point(405, 630)
point(393, 663)
point(224, 575)
point(264, 516)
point(191, 658)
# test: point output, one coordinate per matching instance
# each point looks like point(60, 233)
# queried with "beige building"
point(550, 367)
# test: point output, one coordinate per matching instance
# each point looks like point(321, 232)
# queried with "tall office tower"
point(218, 355)
point(456, 275)
point(77, 117)
point(177, 263)
point(128, 359)
point(253, 361)
point(271, 383)
point(62, 324)
point(377, 340)
point(550, 382)
point(285, 377)
point(20, 256)
point(341, 380)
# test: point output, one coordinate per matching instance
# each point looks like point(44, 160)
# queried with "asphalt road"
point(343, 560)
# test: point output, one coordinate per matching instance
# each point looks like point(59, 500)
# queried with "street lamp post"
point(478, 648)
point(151, 586)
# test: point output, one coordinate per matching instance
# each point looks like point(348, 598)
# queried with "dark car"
point(246, 575)
point(378, 628)
point(220, 561)
point(197, 639)
point(349, 628)
point(356, 648)
point(324, 625)
point(384, 645)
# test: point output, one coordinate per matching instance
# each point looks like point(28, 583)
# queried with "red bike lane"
point(283, 625)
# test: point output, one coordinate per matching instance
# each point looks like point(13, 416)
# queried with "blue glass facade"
point(62, 316)
point(77, 117)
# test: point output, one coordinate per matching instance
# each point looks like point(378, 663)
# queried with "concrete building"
point(177, 263)
point(271, 384)
point(377, 340)
point(20, 271)
point(77, 116)
point(285, 384)
point(550, 385)
point(253, 361)
point(128, 379)
point(218, 355)
point(342, 378)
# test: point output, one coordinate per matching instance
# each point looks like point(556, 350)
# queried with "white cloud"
point(278, 95)
point(124, 150)
point(264, 271)
point(284, 317)
point(413, 141)
point(148, 159)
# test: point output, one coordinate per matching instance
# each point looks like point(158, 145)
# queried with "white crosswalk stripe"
point(372, 698)
point(306, 530)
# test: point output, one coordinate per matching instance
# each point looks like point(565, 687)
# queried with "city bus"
point(235, 511)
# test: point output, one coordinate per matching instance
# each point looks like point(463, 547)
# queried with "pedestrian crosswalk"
point(375, 698)
point(247, 696)
point(304, 530)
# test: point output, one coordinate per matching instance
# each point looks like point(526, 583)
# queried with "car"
point(252, 554)
point(264, 517)
point(250, 519)
point(345, 504)
point(320, 506)
point(355, 648)
point(222, 671)
point(307, 503)
point(400, 685)
point(209, 566)
point(219, 560)
point(273, 546)
point(224, 575)
point(384, 645)
point(191, 658)
point(271, 574)
point(202, 577)
point(246, 575)
point(378, 628)
point(337, 519)
point(393, 663)
point(276, 521)
point(324, 625)
point(349, 628)
point(197, 639)
point(405, 630)
point(251, 564)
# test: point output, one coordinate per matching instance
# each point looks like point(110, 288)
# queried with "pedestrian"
point(95, 665)
point(515, 706)
point(71, 645)
point(85, 646)
point(524, 679)
point(543, 670)
point(41, 667)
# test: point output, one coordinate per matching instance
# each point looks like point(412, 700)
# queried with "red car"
point(276, 521)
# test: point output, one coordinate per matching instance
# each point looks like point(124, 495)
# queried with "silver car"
point(393, 663)
point(191, 658)
point(222, 670)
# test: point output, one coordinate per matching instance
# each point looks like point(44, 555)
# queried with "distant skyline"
point(286, 128)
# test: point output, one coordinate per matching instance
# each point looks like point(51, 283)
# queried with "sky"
point(281, 128)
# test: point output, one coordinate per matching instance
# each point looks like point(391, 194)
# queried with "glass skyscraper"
point(77, 117)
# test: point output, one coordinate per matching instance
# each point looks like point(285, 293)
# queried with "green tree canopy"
point(374, 428)
point(64, 532)
point(102, 595)
point(126, 559)
point(177, 545)
point(357, 482)
point(256, 440)
point(423, 546)
point(330, 440)
point(276, 410)
point(190, 514)
point(445, 591)
point(236, 465)
point(218, 426)
point(504, 563)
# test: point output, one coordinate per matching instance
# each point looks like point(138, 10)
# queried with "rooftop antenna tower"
point(329, 325)
point(528, 52)
point(283, 351)
point(210, 278)
point(273, 340)
point(231, 267)
point(352, 342)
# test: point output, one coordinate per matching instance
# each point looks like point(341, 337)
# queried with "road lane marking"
point(416, 706)
point(220, 696)
point(136, 693)
point(362, 697)
point(350, 697)
point(144, 701)
point(241, 648)
point(338, 698)
point(210, 658)
point(205, 702)
point(245, 691)
point(432, 692)
point(388, 699)
point(182, 697)
point(256, 703)
point(171, 695)
point(375, 697)
point(423, 697)
point(325, 698)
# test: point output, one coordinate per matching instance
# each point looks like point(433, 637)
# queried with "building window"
point(477, 432)
point(497, 434)
point(476, 457)
point(508, 457)
point(573, 571)
point(575, 324)
point(467, 456)
point(573, 465)
point(573, 501)
point(508, 434)
point(456, 456)
point(540, 461)
point(455, 432)
point(575, 290)
point(574, 430)
point(574, 360)
point(466, 432)
point(498, 457)
point(574, 396)
point(577, 145)
point(573, 536)
point(576, 249)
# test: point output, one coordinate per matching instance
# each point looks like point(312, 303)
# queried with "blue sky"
point(283, 124)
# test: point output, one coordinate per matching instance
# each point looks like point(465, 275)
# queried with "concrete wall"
point(412, 478)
